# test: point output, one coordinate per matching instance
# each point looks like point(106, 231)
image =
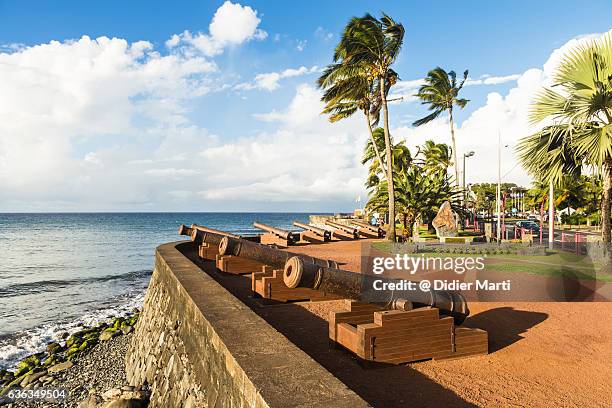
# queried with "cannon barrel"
point(288, 235)
point(213, 231)
point(298, 273)
point(351, 230)
point(319, 231)
point(200, 234)
point(276, 258)
point(373, 228)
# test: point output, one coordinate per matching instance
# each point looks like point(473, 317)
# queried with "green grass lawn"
point(554, 263)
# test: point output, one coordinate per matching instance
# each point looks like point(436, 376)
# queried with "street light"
point(468, 154)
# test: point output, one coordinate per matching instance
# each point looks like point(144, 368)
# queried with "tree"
point(441, 93)
point(437, 157)
point(578, 118)
point(347, 89)
point(367, 50)
point(418, 192)
point(400, 154)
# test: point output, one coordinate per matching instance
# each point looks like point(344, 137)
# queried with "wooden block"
point(270, 285)
point(237, 265)
point(422, 313)
point(394, 336)
point(206, 251)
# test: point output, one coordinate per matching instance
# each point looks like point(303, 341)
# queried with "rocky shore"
point(85, 370)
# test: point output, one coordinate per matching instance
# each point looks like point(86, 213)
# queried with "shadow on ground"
point(505, 325)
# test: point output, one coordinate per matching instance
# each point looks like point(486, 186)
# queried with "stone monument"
point(445, 222)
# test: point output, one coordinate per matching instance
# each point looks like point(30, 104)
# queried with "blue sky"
point(497, 39)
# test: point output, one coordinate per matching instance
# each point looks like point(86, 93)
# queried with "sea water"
point(60, 272)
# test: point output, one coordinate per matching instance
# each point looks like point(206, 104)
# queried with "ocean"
point(60, 272)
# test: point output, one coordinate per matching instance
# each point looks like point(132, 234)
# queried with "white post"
point(551, 215)
point(498, 198)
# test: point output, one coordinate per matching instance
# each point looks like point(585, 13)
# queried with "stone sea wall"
point(197, 345)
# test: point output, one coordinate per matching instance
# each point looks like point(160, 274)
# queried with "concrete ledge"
point(198, 345)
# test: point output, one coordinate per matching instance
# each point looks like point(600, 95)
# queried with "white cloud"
point(492, 80)
point(505, 115)
point(323, 34)
point(306, 158)
point(406, 90)
point(270, 81)
point(232, 24)
point(301, 45)
point(104, 125)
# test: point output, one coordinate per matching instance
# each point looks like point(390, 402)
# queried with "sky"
point(212, 105)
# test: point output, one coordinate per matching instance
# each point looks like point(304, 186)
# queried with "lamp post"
point(468, 154)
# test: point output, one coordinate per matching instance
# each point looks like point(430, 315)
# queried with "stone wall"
point(197, 345)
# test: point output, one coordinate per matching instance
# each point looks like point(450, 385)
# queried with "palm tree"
point(401, 158)
point(348, 89)
point(418, 193)
point(578, 114)
point(437, 157)
point(441, 93)
point(367, 50)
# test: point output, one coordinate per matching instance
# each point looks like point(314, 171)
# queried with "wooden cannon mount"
point(313, 234)
point(207, 238)
point(402, 336)
point(276, 236)
point(208, 249)
point(376, 333)
point(267, 280)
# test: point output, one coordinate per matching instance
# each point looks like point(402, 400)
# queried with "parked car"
point(528, 226)
point(533, 217)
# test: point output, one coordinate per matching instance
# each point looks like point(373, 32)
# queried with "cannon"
point(394, 327)
point(313, 233)
point(276, 236)
point(273, 257)
point(208, 239)
point(204, 235)
point(298, 273)
point(352, 232)
point(373, 228)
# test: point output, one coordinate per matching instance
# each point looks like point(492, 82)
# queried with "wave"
point(16, 346)
point(45, 286)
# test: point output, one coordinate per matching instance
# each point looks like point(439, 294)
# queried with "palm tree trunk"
point(452, 127)
point(605, 216)
point(390, 185)
point(605, 202)
point(371, 132)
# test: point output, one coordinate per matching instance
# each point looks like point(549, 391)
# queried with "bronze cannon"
point(200, 234)
point(276, 258)
point(373, 228)
point(352, 231)
point(323, 233)
point(281, 233)
point(300, 274)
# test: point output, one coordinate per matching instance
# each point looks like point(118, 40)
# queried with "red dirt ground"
point(541, 353)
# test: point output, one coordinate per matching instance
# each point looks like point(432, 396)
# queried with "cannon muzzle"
point(298, 273)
